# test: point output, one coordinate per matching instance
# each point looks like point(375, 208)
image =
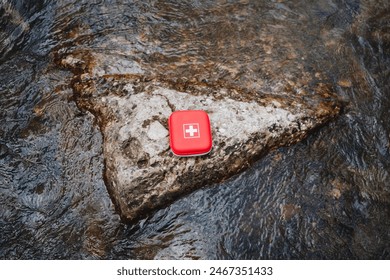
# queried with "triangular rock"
point(141, 172)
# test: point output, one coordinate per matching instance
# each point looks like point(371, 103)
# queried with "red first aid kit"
point(190, 133)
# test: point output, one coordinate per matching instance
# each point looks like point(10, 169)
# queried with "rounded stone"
point(157, 131)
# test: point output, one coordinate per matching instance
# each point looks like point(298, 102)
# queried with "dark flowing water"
point(326, 197)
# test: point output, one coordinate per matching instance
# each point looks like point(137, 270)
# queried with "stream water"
point(327, 197)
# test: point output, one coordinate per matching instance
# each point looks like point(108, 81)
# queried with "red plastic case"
point(190, 133)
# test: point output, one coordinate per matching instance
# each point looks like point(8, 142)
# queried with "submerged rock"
point(141, 172)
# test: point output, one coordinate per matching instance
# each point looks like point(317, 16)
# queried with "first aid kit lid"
point(190, 133)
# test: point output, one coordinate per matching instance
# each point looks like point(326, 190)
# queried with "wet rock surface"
point(141, 172)
point(132, 82)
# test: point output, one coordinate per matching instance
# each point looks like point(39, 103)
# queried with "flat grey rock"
point(141, 172)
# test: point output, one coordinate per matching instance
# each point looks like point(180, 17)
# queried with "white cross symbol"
point(191, 130)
